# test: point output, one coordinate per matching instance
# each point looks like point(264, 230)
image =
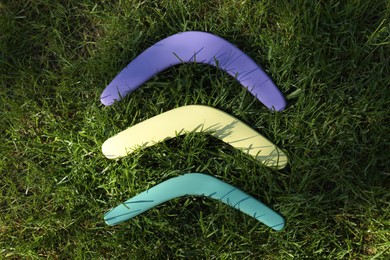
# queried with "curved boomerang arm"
point(195, 118)
point(194, 184)
point(199, 47)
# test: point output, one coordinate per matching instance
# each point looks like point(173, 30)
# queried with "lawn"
point(330, 59)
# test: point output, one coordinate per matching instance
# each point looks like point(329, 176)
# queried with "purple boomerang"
point(199, 47)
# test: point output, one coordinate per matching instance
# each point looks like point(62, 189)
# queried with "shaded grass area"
point(329, 58)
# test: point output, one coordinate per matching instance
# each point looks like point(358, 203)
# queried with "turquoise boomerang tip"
point(194, 184)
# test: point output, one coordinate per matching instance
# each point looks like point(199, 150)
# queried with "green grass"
point(331, 59)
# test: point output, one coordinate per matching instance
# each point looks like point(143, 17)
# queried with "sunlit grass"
point(329, 58)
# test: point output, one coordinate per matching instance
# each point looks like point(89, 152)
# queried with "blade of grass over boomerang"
point(194, 184)
point(195, 118)
point(199, 47)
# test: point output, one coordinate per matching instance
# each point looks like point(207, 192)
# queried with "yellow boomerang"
point(195, 118)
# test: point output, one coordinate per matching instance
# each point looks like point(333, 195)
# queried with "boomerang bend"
point(199, 47)
point(199, 185)
point(195, 118)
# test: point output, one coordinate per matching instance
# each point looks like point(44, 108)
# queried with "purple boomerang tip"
point(199, 47)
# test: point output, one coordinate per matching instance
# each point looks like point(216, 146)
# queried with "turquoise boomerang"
point(194, 184)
